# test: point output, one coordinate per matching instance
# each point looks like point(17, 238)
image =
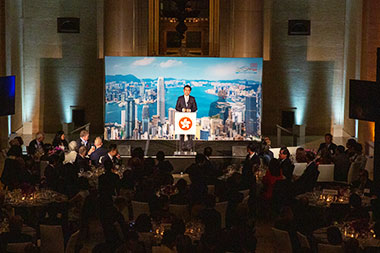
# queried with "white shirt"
point(83, 141)
point(251, 155)
point(186, 99)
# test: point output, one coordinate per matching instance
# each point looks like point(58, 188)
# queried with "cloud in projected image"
point(170, 63)
point(144, 62)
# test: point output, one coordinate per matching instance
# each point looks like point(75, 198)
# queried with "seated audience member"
point(90, 231)
point(132, 244)
point(352, 246)
point(60, 141)
point(162, 213)
point(112, 155)
point(357, 212)
point(266, 152)
point(15, 234)
point(143, 227)
point(286, 165)
point(196, 170)
point(328, 144)
point(71, 156)
point(53, 172)
point(109, 182)
point(162, 164)
point(128, 181)
point(145, 193)
point(350, 148)
point(77, 201)
point(13, 165)
point(36, 144)
point(286, 222)
point(325, 156)
point(272, 175)
point(183, 242)
point(364, 184)
point(358, 162)
point(47, 149)
point(209, 216)
point(5, 211)
point(300, 155)
point(342, 164)
point(180, 198)
point(250, 165)
point(334, 236)
point(81, 161)
point(83, 140)
point(240, 237)
point(305, 217)
point(30, 173)
point(168, 242)
point(308, 179)
point(97, 151)
point(210, 170)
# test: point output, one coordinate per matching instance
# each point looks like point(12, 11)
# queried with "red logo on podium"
point(185, 123)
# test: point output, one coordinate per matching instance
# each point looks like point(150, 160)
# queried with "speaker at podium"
point(185, 127)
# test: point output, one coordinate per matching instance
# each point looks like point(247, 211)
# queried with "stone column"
point(247, 28)
point(3, 119)
point(119, 33)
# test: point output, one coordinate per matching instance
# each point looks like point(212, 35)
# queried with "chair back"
point(304, 242)
point(139, 208)
point(281, 241)
point(221, 207)
point(211, 189)
point(326, 173)
point(327, 248)
point(275, 151)
point(245, 193)
point(299, 168)
point(51, 239)
point(70, 247)
point(180, 211)
point(17, 247)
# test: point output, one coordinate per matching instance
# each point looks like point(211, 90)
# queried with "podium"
point(185, 127)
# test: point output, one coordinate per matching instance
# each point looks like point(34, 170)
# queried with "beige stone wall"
point(370, 43)
point(306, 72)
point(60, 70)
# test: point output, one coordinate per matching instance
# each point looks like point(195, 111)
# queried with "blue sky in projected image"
point(188, 68)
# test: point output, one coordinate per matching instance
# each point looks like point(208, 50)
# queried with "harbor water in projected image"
point(141, 94)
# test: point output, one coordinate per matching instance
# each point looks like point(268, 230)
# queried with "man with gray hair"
point(36, 144)
point(83, 140)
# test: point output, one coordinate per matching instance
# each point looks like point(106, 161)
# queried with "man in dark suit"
point(36, 144)
point(112, 155)
point(286, 165)
point(308, 179)
point(109, 182)
point(328, 144)
point(82, 161)
point(250, 165)
point(97, 151)
point(186, 103)
point(84, 136)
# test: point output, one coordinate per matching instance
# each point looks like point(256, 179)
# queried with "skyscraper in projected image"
point(251, 115)
point(145, 119)
point(161, 99)
point(130, 117)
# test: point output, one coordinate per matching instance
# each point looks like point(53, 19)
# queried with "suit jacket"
point(191, 104)
point(33, 146)
point(308, 179)
point(249, 166)
point(287, 168)
point(331, 148)
point(97, 154)
point(80, 143)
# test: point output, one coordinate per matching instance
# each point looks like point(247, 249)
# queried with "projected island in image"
point(141, 94)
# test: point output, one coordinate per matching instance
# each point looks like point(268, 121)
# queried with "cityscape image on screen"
point(141, 95)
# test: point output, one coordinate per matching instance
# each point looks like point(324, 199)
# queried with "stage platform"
point(222, 155)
